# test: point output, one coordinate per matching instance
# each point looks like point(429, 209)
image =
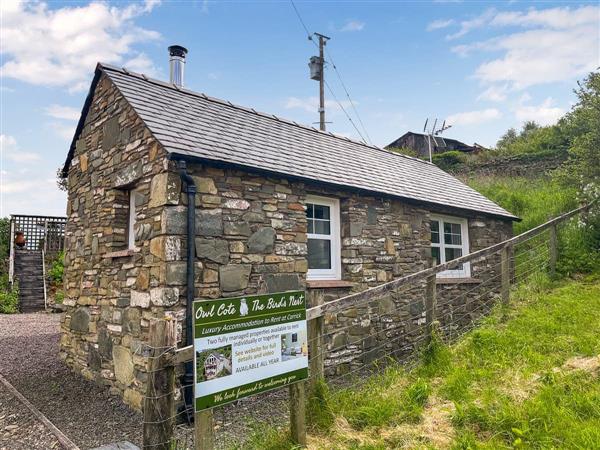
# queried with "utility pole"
point(317, 72)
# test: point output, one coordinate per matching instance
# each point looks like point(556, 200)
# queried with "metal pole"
point(11, 243)
point(429, 143)
point(322, 83)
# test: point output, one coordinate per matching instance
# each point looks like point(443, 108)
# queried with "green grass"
point(533, 200)
point(505, 379)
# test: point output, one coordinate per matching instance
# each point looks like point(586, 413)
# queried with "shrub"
point(57, 270)
point(59, 297)
point(9, 297)
point(448, 160)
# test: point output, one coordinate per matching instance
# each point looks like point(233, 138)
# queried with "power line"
point(348, 95)
point(309, 35)
point(345, 112)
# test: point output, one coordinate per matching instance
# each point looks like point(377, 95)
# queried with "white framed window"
point(323, 216)
point(131, 220)
point(450, 240)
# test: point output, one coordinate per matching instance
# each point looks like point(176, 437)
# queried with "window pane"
point(310, 227)
point(310, 210)
point(319, 254)
point(321, 212)
point(435, 254)
point(435, 232)
point(452, 234)
point(453, 253)
point(322, 227)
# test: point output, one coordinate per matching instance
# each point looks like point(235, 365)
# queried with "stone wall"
point(111, 293)
point(394, 324)
point(250, 238)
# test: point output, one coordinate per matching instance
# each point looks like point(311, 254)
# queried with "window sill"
point(457, 281)
point(120, 253)
point(325, 284)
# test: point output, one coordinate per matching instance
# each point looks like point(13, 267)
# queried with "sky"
point(481, 66)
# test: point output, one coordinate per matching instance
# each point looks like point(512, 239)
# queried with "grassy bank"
point(537, 199)
point(532, 381)
point(534, 200)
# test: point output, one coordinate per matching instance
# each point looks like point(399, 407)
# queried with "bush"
point(57, 270)
point(9, 298)
point(448, 160)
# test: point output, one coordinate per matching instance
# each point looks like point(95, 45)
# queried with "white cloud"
point(473, 117)
point(552, 18)
point(36, 194)
point(32, 180)
point(353, 25)
point(439, 24)
point(60, 47)
point(543, 56)
point(560, 44)
point(9, 150)
point(544, 114)
point(63, 130)
point(62, 112)
point(476, 22)
point(495, 93)
point(311, 104)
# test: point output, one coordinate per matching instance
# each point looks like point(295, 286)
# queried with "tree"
point(61, 182)
point(529, 127)
point(5, 239)
point(582, 123)
point(507, 138)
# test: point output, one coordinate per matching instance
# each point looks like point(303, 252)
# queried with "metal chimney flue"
point(177, 64)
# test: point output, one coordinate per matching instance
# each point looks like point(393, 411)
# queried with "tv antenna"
point(434, 134)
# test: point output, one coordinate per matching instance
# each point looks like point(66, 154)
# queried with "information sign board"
point(247, 345)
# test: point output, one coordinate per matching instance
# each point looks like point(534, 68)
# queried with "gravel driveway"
point(82, 410)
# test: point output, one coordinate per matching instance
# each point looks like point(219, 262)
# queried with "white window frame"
point(131, 221)
point(465, 272)
point(335, 272)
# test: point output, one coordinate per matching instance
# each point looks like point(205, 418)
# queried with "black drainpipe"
point(188, 377)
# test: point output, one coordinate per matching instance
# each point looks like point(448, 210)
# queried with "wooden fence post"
point(204, 430)
point(315, 351)
point(159, 404)
point(553, 249)
point(430, 305)
point(505, 275)
point(298, 413)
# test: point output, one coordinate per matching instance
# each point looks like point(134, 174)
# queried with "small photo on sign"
point(213, 363)
point(293, 345)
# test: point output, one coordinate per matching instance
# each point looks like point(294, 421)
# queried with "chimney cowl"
point(177, 64)
point(177, 50)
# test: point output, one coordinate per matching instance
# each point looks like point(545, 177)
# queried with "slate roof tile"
point(196, 125)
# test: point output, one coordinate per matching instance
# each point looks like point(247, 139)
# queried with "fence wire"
point(363, 340)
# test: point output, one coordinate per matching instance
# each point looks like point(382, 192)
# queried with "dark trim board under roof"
point(199, 127)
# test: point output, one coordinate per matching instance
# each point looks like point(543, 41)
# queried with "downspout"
point(188, 377)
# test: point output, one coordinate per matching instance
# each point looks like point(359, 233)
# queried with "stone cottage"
point(174, 195)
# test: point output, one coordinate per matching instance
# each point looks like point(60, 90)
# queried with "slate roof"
point(194, 125)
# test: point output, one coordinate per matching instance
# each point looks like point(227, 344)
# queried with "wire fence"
point(356, 337)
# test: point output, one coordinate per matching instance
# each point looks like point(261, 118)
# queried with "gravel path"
point(19, 430)
point(82, 410)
